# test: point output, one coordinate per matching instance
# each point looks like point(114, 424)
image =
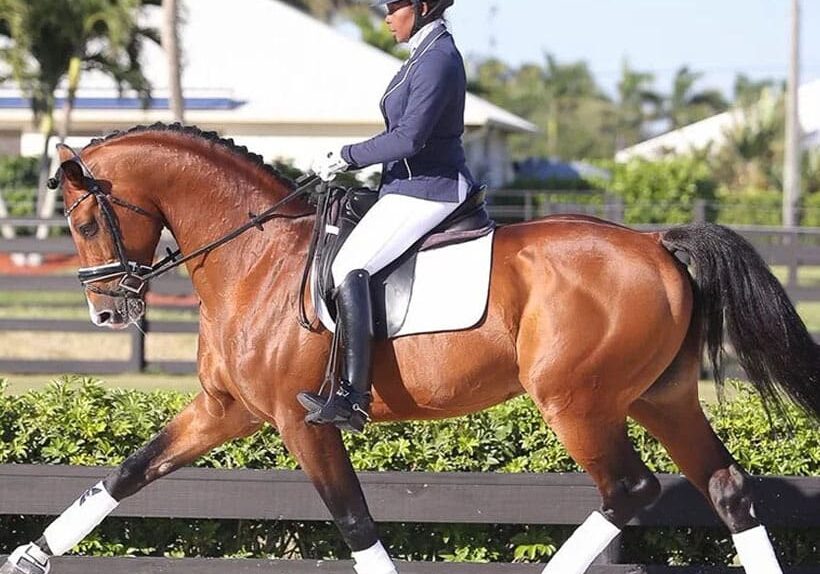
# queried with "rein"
point(134, 275)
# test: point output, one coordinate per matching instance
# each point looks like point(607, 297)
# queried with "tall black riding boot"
point(348, 408)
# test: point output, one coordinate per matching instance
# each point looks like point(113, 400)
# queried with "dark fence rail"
point(794, 249)
point(473, 498)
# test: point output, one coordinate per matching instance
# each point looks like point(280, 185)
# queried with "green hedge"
point(662, 191)
point(18, 183)
point(79, 422)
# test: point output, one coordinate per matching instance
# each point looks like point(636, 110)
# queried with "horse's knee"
point(629, 495)
point(731, 494)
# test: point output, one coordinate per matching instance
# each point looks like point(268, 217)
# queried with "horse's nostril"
point(104, 316)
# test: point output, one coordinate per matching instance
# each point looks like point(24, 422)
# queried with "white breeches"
point(391, 226)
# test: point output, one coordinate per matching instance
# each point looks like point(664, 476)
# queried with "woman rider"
point(424, 179)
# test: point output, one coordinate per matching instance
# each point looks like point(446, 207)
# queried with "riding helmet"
point(436, 9)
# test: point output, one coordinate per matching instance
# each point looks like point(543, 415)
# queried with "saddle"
point(392, 287)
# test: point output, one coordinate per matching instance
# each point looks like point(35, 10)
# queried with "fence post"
point(612, 553)
point(792, 242)
point(528, 211)
point(136, 363)
point(699, 211)
point(613, 208)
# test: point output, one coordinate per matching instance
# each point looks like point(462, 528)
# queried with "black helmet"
point(436, 9)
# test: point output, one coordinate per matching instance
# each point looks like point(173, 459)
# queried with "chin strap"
point(418, 24)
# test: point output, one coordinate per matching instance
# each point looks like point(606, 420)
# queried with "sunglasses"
point(394, 7)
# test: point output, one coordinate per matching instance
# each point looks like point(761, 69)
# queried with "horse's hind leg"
point(625, 483)
point(671, 412)
point(204, 424)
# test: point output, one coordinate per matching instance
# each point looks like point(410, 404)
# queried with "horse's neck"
point(216, 202)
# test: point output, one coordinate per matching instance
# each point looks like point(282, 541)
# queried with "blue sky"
point(717, 37)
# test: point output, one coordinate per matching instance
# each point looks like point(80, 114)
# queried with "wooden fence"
point(793, 249)
point(469, 498)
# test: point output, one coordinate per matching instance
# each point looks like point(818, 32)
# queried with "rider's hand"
point(328, 165)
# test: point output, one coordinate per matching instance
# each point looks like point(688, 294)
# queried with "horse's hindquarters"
point(604, 310)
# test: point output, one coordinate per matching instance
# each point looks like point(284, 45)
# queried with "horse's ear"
point(73, 172)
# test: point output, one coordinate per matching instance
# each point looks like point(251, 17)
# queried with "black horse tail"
point(733, 283)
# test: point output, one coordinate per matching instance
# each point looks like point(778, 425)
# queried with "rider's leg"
point(348, 409)
point(204, 424)
point(389, 229)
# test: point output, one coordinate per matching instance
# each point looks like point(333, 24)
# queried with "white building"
point(713, 130)
point(276, 80)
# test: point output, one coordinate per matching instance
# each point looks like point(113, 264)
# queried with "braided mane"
point(196, 133)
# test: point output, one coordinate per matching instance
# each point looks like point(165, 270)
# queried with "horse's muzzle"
point(115, 312)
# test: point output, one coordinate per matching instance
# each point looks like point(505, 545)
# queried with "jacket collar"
point(418, 38)
point(432, 35)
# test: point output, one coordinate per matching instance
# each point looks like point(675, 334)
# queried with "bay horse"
point(594, 321)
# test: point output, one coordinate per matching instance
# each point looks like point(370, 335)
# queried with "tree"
point(685, 106)
point(108, 38)
point(375, 32)
point(747, 92)
point(564, 100)
point(637, 104)
point(753, 153)
point(578, 110)
point(51, 41)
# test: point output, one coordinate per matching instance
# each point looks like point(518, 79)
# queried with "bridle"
point(134, 276)
point(131, 274)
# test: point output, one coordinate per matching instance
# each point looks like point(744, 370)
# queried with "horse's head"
point(116, 232)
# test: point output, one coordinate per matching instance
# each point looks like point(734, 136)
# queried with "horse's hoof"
point(28, 559)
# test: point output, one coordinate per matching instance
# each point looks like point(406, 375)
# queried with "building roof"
point(272, 64)
point(713, 130)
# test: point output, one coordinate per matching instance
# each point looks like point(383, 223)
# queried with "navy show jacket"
point(423, 108)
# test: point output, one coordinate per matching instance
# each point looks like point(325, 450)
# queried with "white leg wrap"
point(79, 519)
point(754, 549)
point(585, 544)
point(374, 560)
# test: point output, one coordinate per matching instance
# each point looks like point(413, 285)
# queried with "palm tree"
point(52, 41)
point(571, 91)
point(747, 92)
point(115, 23)
point(637, 104)
point(685, 106)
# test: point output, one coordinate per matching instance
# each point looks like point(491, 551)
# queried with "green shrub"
point(18, 183)
point(750, 206)
point(811, 210)
point(663, 191)
point(78, 422)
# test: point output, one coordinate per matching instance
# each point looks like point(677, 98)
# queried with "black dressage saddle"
point(391, 287)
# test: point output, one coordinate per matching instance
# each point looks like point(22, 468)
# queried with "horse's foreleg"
point(204, 424)
point(323, 457)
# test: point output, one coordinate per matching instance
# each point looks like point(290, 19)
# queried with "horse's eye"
point(89, 229)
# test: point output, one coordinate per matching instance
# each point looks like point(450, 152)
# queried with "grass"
point(114, 346)
point(70, 305)
point(18, 384)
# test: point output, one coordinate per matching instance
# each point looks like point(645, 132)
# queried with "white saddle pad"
point(450, 290)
